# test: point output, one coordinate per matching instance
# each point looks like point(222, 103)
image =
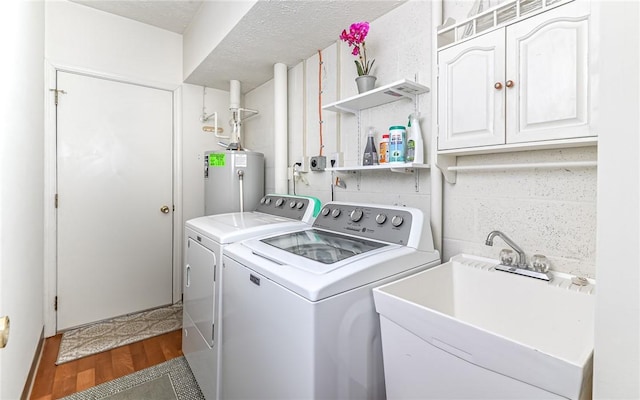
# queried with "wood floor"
point(53, 382)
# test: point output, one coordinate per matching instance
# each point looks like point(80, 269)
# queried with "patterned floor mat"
point(119, 331)
point(181, 378)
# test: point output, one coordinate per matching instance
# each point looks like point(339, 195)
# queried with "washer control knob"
point(279, 202)
point(325, 211)
point(267, 200)
point(335, 213)
point(292, 204)
point(397, 221)
point(381, 218)
point(262, 200)
point(356, 215)
point(300, 205)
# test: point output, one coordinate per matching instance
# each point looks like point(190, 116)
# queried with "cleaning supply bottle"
point(384, 149)
point(370, 156)
point(415, 144)
point(397, 138)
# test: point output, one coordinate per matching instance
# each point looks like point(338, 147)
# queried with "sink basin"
point(464, 329)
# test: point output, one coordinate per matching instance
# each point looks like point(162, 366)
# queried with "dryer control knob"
point(356, 215)
point(397, 221)
point(325, 211)
point(279, 202)
point(381, 218)
point(335, 213)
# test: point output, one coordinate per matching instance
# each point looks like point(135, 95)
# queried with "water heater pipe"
point(280, 119)
point(435, 174)
point(234, 94)
point(235, 91)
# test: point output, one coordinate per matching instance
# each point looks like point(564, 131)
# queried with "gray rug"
point(119, 331)
point(170, 380)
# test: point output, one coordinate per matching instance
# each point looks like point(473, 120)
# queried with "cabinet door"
point(547, 61)
point(470, 108)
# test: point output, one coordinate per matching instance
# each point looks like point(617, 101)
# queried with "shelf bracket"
point(443, 162)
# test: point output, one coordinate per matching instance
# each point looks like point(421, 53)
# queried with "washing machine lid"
point(232, 227)
point(322, 246)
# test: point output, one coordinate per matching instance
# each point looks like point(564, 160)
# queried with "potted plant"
point(356, 38)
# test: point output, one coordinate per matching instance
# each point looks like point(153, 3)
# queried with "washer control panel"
point(292, 207)
point(386, 223)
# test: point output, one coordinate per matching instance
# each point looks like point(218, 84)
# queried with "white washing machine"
point(205, 239)
point(298, 320)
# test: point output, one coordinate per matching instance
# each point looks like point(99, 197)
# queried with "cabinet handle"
point(498, 85)
point(509, 83)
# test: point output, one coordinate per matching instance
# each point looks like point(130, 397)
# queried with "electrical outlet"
point(304, 164)
point(318, 163)
point(337, 160)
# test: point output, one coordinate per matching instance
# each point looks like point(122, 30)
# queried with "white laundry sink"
point(463, 329)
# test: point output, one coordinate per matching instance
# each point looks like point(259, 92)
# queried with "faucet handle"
point(507, 257)
point(539, 263)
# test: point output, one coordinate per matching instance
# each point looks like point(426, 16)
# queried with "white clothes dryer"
point(299, 321)
point(205, 239)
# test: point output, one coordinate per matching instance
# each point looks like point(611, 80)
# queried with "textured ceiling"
point(273, 31)
point(280, 32)
point(172, 15)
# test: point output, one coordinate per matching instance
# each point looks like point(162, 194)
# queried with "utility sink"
point(464, 329)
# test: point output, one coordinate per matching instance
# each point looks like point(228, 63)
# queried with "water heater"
point(234, 181)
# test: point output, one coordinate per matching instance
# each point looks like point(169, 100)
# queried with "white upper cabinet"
point(470, 110)
point(526, 82)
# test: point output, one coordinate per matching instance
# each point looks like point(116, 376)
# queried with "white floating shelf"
point(379, 96)
point(394, 167)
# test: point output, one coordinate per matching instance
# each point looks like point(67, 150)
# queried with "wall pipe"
point(435, 174)
point(280, 120)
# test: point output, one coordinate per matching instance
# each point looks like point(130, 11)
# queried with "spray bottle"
point(370, 156)
point(415, 144)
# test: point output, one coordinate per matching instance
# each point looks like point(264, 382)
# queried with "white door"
point(114, 176)
point(548, 63)
point(471, 93)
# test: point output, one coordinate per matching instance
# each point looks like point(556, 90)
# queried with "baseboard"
point(28, 386)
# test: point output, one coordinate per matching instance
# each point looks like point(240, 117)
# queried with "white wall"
point(550, 212)
point(21, 188)
point(400, 51)
point(94, 40)
point(617, 331)
point(258, 131)
point(195, 142)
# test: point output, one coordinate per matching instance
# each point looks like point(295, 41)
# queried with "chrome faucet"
point(522, 258)
point(521, 268)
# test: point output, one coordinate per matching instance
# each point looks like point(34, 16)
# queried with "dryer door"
point(199, 288)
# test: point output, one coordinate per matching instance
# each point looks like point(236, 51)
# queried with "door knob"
point(509, 83)
point(498, 85)
point(164, 209)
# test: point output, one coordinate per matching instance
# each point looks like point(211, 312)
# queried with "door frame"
point(50, 182)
